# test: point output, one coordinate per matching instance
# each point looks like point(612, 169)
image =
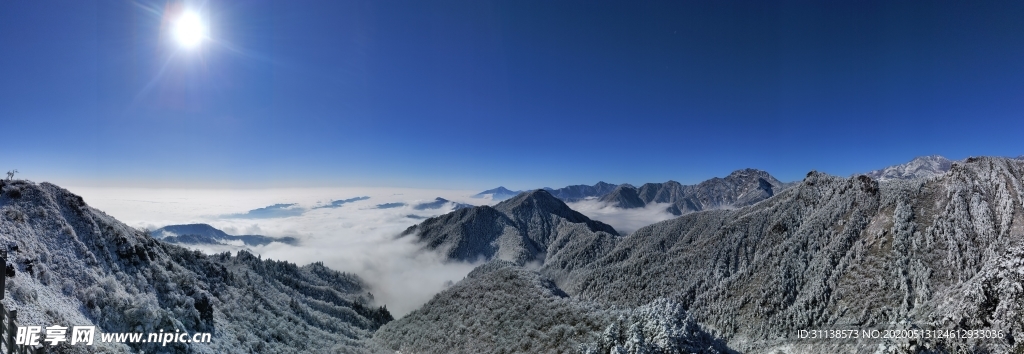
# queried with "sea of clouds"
point(353, 230)
point(356, 236)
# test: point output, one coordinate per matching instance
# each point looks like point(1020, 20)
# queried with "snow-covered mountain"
point(74, 265)
point(943, 253)
point(919, 167)
point(204, 234)
point(500, 193)
point(521, 229)
point(740, 188)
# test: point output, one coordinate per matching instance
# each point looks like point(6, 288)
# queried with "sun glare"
point(189, 30)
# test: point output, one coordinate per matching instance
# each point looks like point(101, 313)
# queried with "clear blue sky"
point(475, 94)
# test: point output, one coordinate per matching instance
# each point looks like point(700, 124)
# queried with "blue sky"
point(475, 94)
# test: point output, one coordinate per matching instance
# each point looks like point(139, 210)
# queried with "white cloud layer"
point(354, 237)
point(625, 221)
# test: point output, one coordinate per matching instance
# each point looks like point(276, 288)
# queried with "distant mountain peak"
point(189, 229)
point(197, 234)
point(748, 171)
point(499, 193)
point(500, 189)
point(919, 167)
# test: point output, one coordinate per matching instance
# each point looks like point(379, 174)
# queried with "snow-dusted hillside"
point(75, 265)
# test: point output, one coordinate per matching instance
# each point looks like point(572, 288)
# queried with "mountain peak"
point(540, 203)
point(748, 172)
point(519, 229)
point(538, 197)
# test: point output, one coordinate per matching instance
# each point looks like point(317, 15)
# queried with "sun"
point(189, 30)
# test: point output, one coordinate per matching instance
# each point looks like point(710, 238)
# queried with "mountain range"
point(740, 188)
point(942, 253)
